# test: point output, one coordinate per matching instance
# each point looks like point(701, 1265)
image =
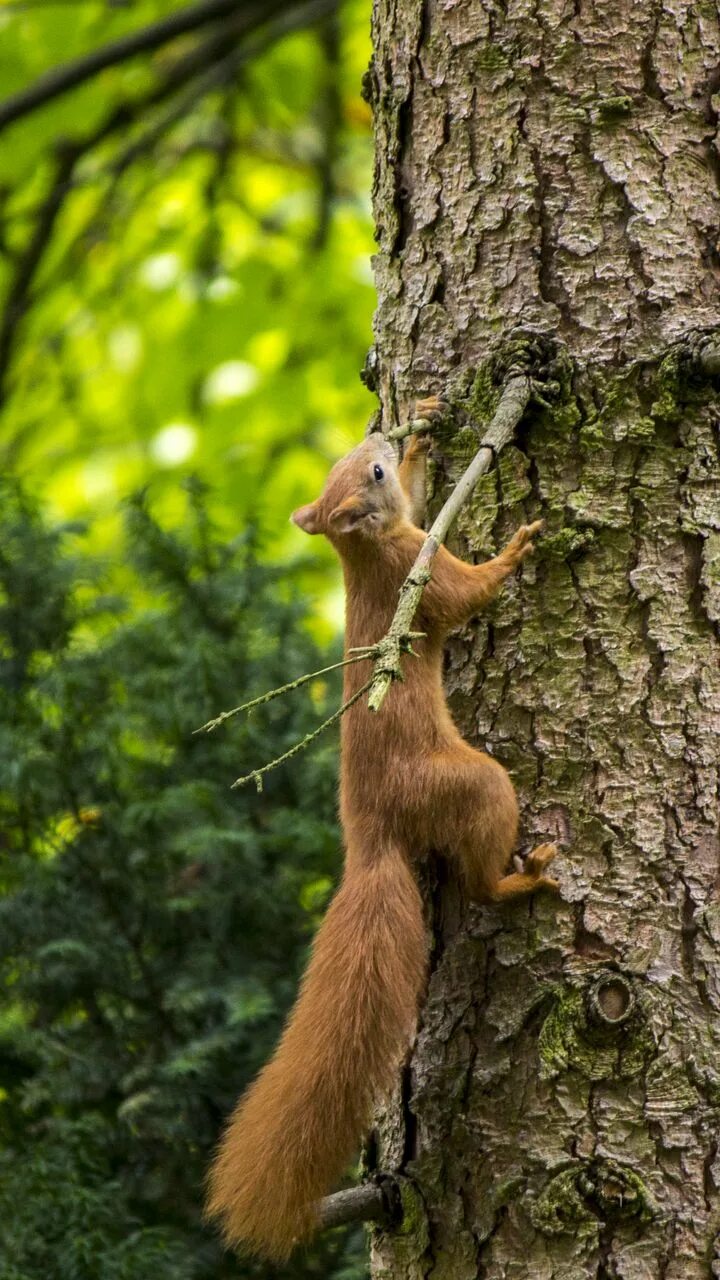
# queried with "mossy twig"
point(361, 654)
point(414, 428)
point(256, 775)
point(358, 655)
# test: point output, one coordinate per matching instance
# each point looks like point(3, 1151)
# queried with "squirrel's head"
point(362, 497)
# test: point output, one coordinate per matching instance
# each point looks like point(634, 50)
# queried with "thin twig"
point(360, 656)
point(257, 774)
point(511, 407)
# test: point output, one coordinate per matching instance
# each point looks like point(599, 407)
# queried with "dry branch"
point(513, 403)
point(257, 775)
point(358, 656)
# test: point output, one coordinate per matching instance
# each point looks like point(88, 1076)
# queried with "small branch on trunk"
point(377, 1202)
point(513, 402)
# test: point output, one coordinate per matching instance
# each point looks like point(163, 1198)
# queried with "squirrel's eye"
point(378, 472)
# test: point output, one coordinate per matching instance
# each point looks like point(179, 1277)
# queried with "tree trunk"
point(553, 167)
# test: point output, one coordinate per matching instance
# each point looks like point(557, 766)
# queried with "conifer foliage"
point(153, 922)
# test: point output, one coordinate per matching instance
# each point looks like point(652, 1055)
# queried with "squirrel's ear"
point(306, 518)
point(347, 515)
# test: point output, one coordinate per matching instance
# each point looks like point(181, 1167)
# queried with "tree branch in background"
point(203, 56)
point(415, 427)
point(71, 74)
point(16, 302)
point(222, 72)
point(330, 110)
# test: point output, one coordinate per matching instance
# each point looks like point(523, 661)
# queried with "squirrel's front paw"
point(417, 445)
point(432, 408)
point(521, 544)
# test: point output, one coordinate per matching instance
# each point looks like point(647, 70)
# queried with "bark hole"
point(611, 1001)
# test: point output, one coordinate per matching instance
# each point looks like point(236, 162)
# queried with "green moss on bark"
point(589, 1196)
point(570, 1041)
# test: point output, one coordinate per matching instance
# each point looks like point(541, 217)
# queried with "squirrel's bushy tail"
point(297, 1126)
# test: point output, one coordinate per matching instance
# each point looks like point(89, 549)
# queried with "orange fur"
point(409, 784)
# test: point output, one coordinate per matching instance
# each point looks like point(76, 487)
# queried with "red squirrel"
point(409, 784)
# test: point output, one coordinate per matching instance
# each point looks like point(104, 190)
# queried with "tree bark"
point(547, 189)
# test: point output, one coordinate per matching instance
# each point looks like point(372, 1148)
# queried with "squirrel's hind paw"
point(539, 859)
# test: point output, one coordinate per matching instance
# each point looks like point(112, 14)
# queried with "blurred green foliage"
point(204, 299)
point(153, 922)
point(185, 291)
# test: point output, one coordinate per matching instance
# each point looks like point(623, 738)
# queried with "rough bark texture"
point(555, 165)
